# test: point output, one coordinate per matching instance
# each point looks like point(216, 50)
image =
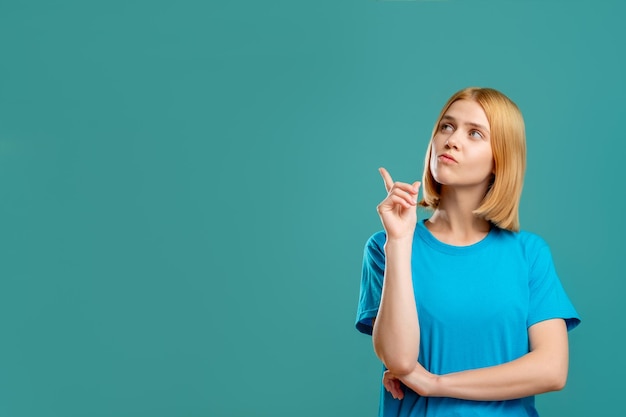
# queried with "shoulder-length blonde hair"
point(500, 205)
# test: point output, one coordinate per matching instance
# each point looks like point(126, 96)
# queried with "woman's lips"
point(447, 158)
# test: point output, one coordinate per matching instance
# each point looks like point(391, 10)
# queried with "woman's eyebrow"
point(479, 126)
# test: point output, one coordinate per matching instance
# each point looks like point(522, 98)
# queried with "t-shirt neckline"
point(432, 241)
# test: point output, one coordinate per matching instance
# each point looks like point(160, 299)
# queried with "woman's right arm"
point(396, 331)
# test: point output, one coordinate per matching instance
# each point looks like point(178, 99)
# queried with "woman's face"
point(461, 152)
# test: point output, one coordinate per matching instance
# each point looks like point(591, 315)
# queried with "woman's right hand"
point(398, 211)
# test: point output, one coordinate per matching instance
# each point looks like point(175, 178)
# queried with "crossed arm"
point(541, 370)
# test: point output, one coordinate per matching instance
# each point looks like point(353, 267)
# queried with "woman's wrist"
point(399, 242)
point(423, 382)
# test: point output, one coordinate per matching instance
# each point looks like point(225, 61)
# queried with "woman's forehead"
point(466, 112)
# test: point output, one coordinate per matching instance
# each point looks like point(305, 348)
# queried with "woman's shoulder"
point(530, 238)
point(529, 242)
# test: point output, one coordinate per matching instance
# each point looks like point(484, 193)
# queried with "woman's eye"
point(446, 127)
point(476, 134)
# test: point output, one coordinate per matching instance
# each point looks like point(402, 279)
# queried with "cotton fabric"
point(475, 304)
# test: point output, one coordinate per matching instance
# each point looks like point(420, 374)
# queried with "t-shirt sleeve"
point(548, 299)
point(371, 282)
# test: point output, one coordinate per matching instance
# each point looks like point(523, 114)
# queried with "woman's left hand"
point(393, 385)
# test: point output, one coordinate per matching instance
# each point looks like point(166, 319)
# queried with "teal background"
point(186, 188)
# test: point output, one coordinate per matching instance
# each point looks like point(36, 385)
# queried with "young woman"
point(466, 312)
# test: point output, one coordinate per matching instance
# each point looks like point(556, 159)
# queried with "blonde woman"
point(466, 311)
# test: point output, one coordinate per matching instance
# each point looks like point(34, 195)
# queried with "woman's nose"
point(452, 141)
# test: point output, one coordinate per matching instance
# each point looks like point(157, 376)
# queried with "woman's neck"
point(454, 222)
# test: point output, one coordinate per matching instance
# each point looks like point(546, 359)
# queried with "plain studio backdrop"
point(187, 188)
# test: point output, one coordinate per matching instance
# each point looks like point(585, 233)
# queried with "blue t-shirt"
point(475, 304)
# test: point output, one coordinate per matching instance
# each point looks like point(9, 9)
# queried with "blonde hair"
point(500, 205)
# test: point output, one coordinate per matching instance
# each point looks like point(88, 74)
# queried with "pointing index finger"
point(386, 178)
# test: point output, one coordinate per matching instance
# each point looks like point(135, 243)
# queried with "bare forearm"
point(523, 377)
point(396, 328)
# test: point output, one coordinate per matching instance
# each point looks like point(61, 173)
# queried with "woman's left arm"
point(541, 370)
